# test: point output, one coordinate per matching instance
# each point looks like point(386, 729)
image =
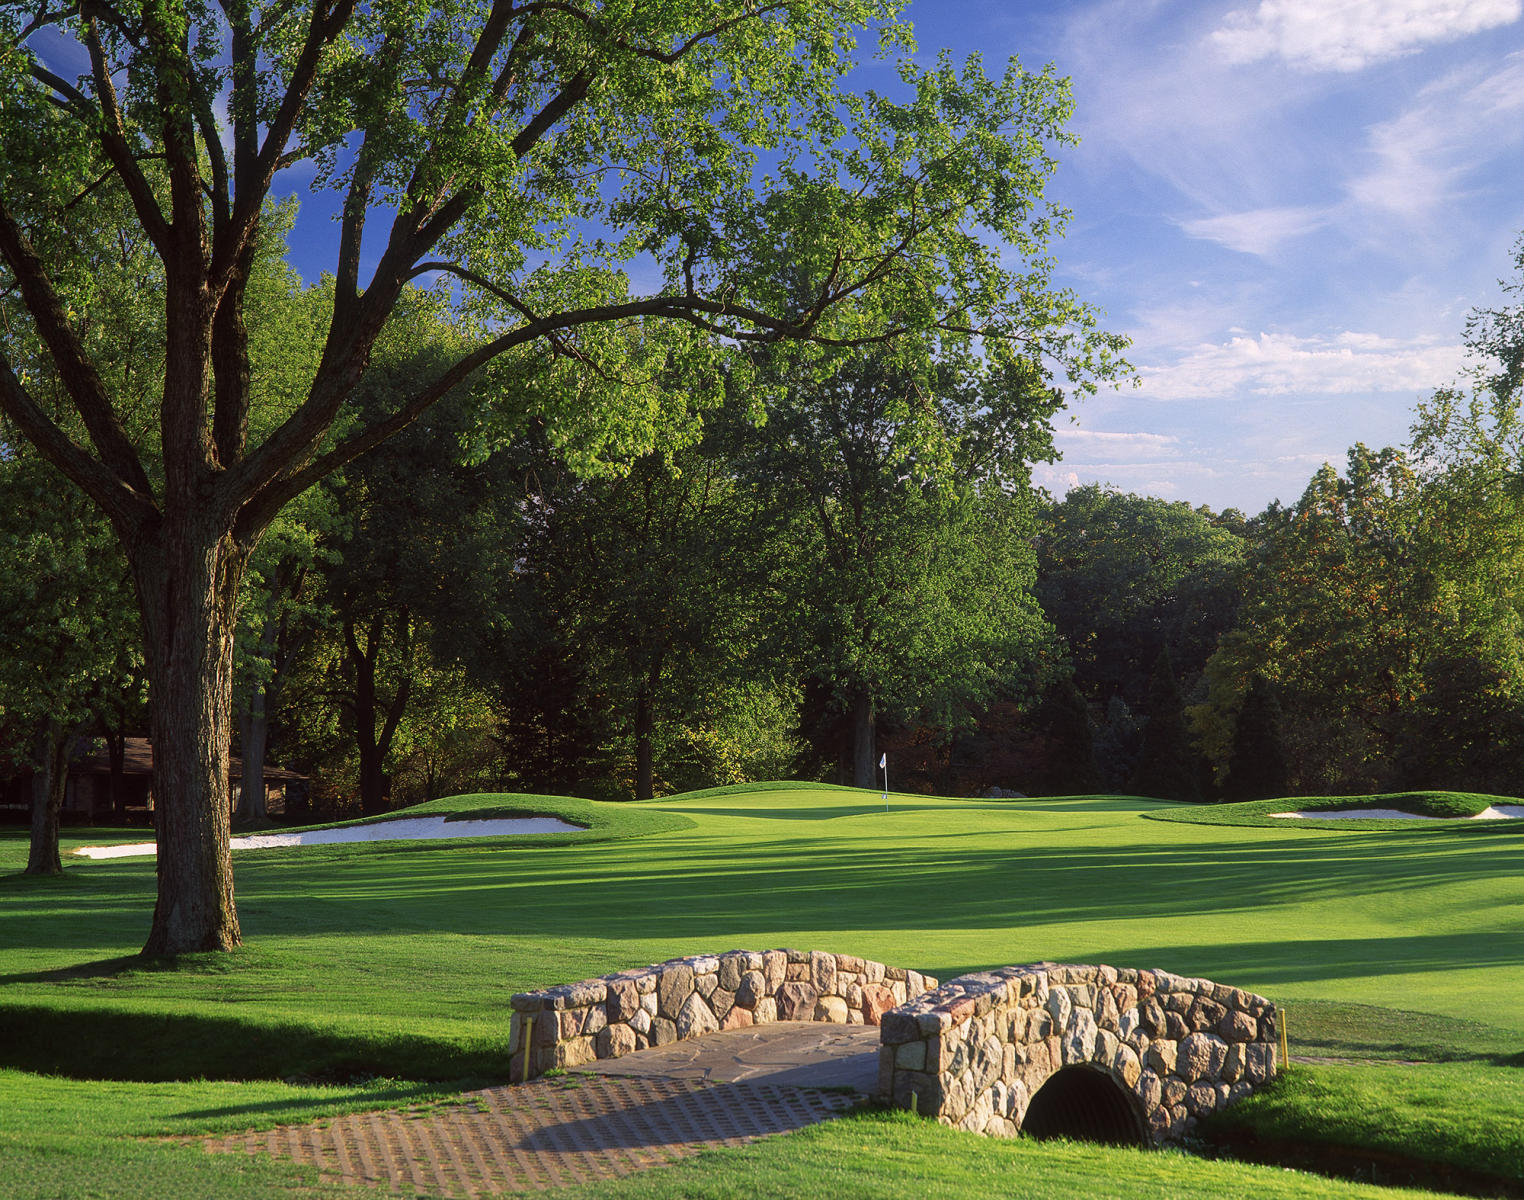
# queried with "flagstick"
point(884, 762)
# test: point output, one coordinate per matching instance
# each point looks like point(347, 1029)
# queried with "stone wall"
point(578, 1023)
point(975, 1051)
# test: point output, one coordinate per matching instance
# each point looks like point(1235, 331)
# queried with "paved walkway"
point(647, 1109)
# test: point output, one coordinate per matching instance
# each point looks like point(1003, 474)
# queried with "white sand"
point(1497, 812)
point(410, 828)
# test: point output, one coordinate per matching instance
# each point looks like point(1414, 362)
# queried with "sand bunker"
point(406, 829)
point(1496, 812)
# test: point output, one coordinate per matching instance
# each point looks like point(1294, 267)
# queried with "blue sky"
point(1290, 206)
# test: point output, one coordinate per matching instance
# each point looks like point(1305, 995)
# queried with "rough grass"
point(1461, 1115)
point(397, 959)
point(1445, 806)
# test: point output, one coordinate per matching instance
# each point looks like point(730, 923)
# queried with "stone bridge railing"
point(1118, 1055)
point(578, 1023)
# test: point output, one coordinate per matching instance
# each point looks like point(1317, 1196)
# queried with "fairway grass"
point(892, 1156)
point(397, 960)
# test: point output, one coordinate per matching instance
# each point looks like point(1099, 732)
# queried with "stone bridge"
point(1090, 1052)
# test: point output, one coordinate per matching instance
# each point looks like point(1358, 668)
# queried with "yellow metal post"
point(529, 1043)
point(1281, 1023)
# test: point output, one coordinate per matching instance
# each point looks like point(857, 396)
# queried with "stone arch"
point(1086, 1103)
point(976, 1052)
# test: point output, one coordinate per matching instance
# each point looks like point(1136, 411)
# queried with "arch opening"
point(1086, 1105)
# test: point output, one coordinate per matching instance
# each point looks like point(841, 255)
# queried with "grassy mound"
point(600, 821)
point(1445, 806)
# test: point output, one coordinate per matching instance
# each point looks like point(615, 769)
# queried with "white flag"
point(883, 761)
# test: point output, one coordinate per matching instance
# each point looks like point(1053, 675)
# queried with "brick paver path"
point(546, 1134)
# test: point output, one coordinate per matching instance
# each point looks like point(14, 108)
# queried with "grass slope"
point(891, 1156)
point(398, 959)
point(1443, 806)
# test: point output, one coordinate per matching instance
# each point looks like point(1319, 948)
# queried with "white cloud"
point(1260, 231)
point(1055, 479)
point(1419, 160)
point(1347, 35)
point(1275, 364)
point(1130, 445)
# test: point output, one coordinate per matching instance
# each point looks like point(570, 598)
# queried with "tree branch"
point(113, 134)
point(666, 57)
point(126, 508)
point(83, 384)
point(328, 20)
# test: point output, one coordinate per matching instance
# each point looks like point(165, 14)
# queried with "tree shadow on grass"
point(689, 891)
point(692, 888)
point(149, 1045)
point(104, 968)
point(292, 1110)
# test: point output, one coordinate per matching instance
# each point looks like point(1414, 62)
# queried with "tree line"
point(809, 582)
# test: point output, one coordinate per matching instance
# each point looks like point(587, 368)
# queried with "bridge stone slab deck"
point(685, 998)
point(549, 1133)
point(803, 1054)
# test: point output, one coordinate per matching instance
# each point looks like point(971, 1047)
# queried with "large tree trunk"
point(864, 761)
point(374, 784)
point(187, 583)
point(50, 775)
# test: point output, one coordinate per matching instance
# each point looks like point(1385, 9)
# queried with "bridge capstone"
point(977, 1052)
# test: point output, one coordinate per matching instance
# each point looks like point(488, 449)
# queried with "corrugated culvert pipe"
point(1086, 1105)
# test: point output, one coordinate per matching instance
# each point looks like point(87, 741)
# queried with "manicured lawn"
point(1437, 806)
point(76, 1139)
point(398, 960)
point(892, 1156)
point(87, 1138)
